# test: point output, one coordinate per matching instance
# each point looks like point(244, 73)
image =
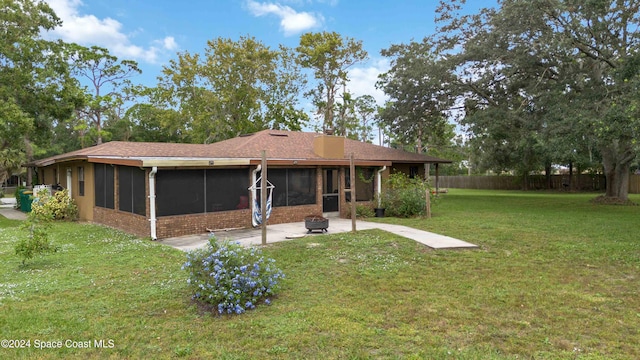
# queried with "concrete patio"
point(291, 231)
point(296, 230)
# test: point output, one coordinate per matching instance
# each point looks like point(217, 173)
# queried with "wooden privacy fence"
point(634, 184)
point(582, 182)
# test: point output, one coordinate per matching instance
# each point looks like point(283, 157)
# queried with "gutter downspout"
point(379, 180)
point(152, 202)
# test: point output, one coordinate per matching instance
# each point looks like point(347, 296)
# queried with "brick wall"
point(131, 223)
point(286, 214)
point(179, 225)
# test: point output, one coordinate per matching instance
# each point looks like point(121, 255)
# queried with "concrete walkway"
point(10, 213)
point(283, 232)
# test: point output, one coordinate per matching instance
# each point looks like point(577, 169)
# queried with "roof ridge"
point(244, 140)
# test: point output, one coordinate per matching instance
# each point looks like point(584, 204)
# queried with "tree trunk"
point(617, 181)
point(547, 174)
point(616, 170)
point(571, 182)
point(99, 127)
point(29, 151)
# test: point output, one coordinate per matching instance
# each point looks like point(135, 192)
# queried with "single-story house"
point(164, 189)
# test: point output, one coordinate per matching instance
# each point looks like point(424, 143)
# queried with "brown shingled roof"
point(283, 145)
point(299, 145)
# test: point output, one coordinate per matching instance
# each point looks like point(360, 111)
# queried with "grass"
point(555, 278)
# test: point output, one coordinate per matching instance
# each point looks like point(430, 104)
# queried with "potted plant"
point(379, 205)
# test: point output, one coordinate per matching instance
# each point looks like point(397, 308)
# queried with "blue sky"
point(153, 32)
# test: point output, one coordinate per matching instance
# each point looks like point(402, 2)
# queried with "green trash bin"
point(25, 200)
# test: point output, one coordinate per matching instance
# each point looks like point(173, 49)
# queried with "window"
point(81, 180)
point(131, 190)
point(103, 181)
point(364, 183)
point(198, 191)
point(293, 186)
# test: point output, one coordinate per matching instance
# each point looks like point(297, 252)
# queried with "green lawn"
point(555, 278)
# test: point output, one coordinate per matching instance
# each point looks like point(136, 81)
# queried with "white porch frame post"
point(69, 182)
point(379, 184)
point(152, 202)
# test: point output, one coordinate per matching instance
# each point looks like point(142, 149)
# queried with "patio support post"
point(437, 179)
point(352, 174)
point(263, 197)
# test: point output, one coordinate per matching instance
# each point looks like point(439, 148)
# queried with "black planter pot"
point(379, 212)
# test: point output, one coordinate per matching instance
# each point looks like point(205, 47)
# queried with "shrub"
point(362, 211)
point(231, 277)
point(37, 240)
point(44, 209)
point(405, 197)
point(60, 206)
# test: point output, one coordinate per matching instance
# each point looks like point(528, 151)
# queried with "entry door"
point(330, 187)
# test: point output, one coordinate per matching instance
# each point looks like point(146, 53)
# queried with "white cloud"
point(291, 21)
point(329, 2)
point(88, 30)
point(362, 80)
point(170, 43)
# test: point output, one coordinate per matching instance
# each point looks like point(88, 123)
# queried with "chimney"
point(329, 147)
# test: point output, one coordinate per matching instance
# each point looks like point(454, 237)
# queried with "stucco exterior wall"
point(85, 202)
point(47, 176)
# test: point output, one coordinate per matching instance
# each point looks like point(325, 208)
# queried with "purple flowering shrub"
point(231, 277)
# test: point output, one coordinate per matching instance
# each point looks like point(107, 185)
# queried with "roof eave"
point(320, 162)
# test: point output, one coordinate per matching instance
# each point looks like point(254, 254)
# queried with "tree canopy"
point(329, 56)
point(532, 82)
point(417, 110)
point(35, 86)
point(236, 87)
point(106, 78)
point(543, 81)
